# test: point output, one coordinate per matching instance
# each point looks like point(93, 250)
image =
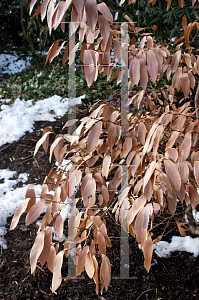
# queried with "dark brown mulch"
point(174, 278)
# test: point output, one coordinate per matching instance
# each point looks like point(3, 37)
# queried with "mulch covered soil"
point(174, 278)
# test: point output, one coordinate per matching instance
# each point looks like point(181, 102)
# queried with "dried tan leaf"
point(72, 53)
point(127, 146)
point(134, 71)
point(81, 260)
point(41, 141)
point(96, 220)
point(182, 230)
point(140, 231)
point(34, 212)
point(105, 272)
point(173, 154)
point(173, 175)
point(105, 194)
point(58, 226)
point(91, 14)
point(172, 139)
point(130, 157)
point(193, 195)
point(57, 277)
point(100, 240)
point(47, 245)
point(30, 193)
point(103, 8)
point(157, 137)
point(60, 10)
point(50, 12)
point(88, 192)
point(143, 74)
point(185, 84)
point(137, 206)
point(89, 265)
point(89, 65)
point(36, 250)
point(185, 146)
point(152, 64)
point(178, 124)
point(18, 213)
point(95, 277)
point(149, 173)
point(141, 133)
point(93, 136)
point(46, 142)
point(104, 27)
point(56, 148)
point(51, 259)
point(135, 164)
point(105, 165)
point(79, 5)
point(175, 61)
point(148, 252)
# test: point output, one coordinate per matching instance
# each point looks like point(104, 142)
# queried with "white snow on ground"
point(18, 118)
point(11, 63)
point(178, 243)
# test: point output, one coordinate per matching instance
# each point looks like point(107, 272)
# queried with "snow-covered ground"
point(19, 118)
point(11, 63)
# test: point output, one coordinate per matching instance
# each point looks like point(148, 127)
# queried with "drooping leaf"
point(105, 273)
point(185, 146)
point(134, 71)
point(101, 242)
point(36, 250)
point(93, 136)
point(103, 8)
point(173, 175)
point(47, 245)
point(175, 61)
point(41, 141)
point(91, 13)
point(18, 213)
point(138, 204)
point(51, 259)
point(89, 265)
point(193, 195)
point(81, 260)
point(143, 74)
point(60, 10)
point(148, 252)
point(34, 212)
point(88, 191)
point(30, 193)
point(106, 165)
point(89, 66)
point(104, 27)
point(58, 226)
point(79, 5)
point(152, 64)
point(57, 277)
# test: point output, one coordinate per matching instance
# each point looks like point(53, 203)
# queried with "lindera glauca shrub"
point(157, 146)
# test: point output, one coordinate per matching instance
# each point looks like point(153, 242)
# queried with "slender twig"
point(144, 293)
